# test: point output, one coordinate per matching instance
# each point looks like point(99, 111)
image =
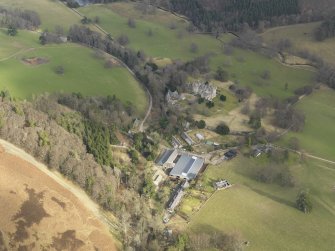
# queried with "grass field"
point(82, 72)
point(164, 43)
point(318, 136)
point(51, 12)
point(265, 214)
point(302, 37)
point(248, 72)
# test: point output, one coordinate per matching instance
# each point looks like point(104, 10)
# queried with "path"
point(306, 154)
point(57, 177)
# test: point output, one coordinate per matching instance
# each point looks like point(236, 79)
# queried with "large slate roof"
point(187, 167)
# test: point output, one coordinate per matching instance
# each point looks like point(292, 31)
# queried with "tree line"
point(19, 19)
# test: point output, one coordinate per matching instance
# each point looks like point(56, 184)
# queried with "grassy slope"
point(318, 136)
point(51, 12)
point(164, 43)
point(302, 37)
point(83, 72)
point(265, 214)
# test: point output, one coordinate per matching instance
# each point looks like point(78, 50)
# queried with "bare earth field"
point(39, 213)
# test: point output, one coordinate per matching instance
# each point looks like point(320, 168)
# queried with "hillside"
point(193, 125)
point(38, 213)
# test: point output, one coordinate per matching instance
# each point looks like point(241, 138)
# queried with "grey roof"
point(187, 138)
point(176, 200)
point(187, 167)
point(168, 155)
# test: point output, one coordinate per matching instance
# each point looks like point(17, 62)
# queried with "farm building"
point(175, 200)
point(176, 143)
point(167, 158)
point(200, 136)
point(187, 138)
point(230, 154)
point(187, 167)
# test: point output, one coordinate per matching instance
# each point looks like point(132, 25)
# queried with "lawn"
point(318, 136)
point(264, 214)
point(82, 73)
point(302, 38)
point(51, 12)
point(245, 67)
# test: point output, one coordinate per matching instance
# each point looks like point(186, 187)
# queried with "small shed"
point(200, 136)
point(222, 184)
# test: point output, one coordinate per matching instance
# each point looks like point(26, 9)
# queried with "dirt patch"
point(34, 61)
point(59, 202)
point(67, 241)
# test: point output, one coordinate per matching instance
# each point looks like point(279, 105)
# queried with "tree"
point(123, 40)
point(303, 202)
point(255, 121)
point(266, 75)
point(11, 31)
point(131, 23)
point(221, 74)
point(201, 124)
point(222, 129)
point(223, 98)
point(59, 70)
point(210, 104)
point(85, 20)
point(194, 48)
point(294, 143)
point(148, 188)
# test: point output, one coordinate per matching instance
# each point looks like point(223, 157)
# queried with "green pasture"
point(302, 38)
point(265, 214)
point(164, 42)
point(318, 135)
point(51, 12)
point(83, 72)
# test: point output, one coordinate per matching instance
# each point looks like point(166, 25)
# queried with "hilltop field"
point(37, 213)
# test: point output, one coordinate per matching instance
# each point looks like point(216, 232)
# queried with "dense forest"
point(231, 14)
point(326, 29)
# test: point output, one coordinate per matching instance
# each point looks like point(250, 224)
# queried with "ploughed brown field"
point(37, 213)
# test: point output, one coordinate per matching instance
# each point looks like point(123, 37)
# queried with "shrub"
point(59, 70)
point(222, 129)
point(123, 40)
point(201, 124)
point(223, 98)
point(303, 202)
